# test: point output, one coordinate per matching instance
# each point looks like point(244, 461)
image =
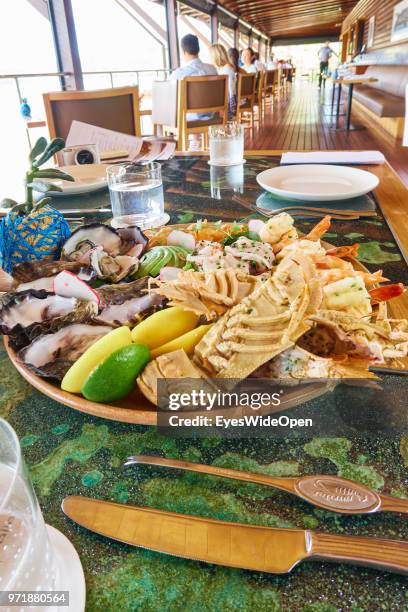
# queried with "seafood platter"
point(121, 308)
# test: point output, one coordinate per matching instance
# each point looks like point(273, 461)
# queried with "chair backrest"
point(115, 109)
point(260, 85)
point(164, 103)
point(270, 77)
point(204, 94)
point(246, 85)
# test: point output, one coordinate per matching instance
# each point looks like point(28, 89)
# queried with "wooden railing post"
point(214, 24)
point(172, 34)
point(66, 45)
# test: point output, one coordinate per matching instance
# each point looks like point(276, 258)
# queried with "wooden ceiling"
point(293, 18)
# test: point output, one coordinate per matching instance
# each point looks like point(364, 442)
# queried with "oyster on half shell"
point(51, 355)
point(124, 241)
point(28, 314)
point(112, 268)
point(128, 303)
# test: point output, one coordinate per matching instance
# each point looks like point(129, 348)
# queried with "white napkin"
point(333, 157)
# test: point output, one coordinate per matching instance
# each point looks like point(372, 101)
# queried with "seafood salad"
point(209, 300)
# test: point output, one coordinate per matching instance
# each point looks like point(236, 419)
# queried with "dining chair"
point(259, 102)
point(174, 101)
point(115, 109)
point(246, 96)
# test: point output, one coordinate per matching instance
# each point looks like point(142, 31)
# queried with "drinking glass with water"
point(226, 144)
point(136, 193)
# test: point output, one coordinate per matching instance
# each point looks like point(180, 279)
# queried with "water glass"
point(226, 180)
point(27, 561)
point(226, 144)
point(136, 193)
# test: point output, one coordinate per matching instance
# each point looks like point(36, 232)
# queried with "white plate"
point(70, 573)
point(88, 178)
point(317, 182)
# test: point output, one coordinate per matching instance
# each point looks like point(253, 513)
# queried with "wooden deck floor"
point(300, 119)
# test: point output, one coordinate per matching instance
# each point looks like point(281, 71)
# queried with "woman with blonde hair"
point(219, 58)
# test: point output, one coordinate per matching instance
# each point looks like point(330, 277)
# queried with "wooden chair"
point(203, 95)
point(115, 109)
point(174, 101)
point(246, 96)
point(261, 76)
point(270, 84)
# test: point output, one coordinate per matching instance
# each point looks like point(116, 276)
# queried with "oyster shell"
point(32, 270)
point(123, 241)
point(112, 268)
point(28, 314)
point(87, 237)
point(119, 293)
point(51, 355)
point(128, 303)
point(131, 311)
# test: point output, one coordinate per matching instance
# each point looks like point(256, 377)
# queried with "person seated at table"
point(272, 63)
point(248, 61)
point(193, 66)
point(233, 57)
point(220, 60)
point(258, 64)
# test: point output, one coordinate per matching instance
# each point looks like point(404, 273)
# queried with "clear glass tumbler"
point(27, 560)
point(136, 193)
point(226, 144)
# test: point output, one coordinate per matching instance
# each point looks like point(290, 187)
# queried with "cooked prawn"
point(321, 228)
point(344, 251)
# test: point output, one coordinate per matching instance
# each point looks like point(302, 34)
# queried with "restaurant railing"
point(33, 85)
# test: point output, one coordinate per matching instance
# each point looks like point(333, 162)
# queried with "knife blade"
point(250, 547)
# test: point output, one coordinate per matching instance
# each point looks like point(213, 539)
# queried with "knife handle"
point(394, 504)
point(390, 555)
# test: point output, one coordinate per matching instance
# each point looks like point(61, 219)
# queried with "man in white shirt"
point(193, 67)
point(324, 54)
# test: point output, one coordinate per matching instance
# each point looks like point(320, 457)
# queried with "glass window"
point(192, 21)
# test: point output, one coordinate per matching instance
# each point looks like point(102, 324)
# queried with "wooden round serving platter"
point(135, 408)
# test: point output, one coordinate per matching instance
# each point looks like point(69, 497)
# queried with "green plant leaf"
point(38, 148)
point(8, 203)
point(53, 173)
point(41, 203)
point(20, 208)
point(43, 187)
point(51, 149)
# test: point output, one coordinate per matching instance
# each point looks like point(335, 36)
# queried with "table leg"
point(349, 103)
point(338, 103)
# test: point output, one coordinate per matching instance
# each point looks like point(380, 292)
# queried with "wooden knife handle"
point(390, 555)
point(394, 504)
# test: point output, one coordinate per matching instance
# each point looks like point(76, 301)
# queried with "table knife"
point(250, 547)
point(324, 491)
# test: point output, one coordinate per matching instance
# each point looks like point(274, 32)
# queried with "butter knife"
point(250, 547)
point(329, 492)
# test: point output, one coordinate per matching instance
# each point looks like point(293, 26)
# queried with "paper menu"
point(137, 148)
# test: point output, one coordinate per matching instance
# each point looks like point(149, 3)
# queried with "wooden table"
point(72, 453)
point(350, 81)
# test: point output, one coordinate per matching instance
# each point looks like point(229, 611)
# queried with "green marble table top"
point(71, 453)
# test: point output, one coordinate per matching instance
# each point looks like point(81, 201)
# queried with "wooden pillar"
point(250, 38)
point(172, 34)
point(214, 24)
point(260, 41)
point(66, 45)
point(236, 35)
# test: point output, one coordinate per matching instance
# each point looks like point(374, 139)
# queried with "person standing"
point(324, 54)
